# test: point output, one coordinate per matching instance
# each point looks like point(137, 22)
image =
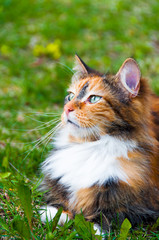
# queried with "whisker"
point(43, 114)
point(95, 133)
point(66, 67)
point(41, 140)
point(51, 134)
point(42, 126)
point(53, 121)
point(35, 119)
point(91, 131)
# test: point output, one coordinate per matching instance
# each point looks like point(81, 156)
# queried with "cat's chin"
point(73, 124)
point(81, 134)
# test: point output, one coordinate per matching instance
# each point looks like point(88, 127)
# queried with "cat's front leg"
point(99, 231)
point(48, 213)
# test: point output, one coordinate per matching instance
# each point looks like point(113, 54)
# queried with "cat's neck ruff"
point(83, 165)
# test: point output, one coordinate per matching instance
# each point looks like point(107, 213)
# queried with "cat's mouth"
point(69, 121)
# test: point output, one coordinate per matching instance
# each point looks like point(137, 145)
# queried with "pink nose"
point(68, 109)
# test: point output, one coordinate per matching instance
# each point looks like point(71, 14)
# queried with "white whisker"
point(44, 139)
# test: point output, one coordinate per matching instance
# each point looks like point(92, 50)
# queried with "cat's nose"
point(68, 108)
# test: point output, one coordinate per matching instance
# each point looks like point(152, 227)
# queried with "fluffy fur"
point(106, 154)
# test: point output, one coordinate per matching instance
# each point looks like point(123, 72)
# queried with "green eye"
point(94, 99)
point(71, 96)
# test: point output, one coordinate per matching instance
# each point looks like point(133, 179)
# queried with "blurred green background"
point(38, 41)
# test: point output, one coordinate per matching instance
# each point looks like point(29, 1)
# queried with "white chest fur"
point(82, 165)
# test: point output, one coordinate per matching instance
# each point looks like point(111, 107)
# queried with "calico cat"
point(106, 154)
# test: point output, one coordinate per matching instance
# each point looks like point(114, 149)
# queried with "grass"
point(38, 40)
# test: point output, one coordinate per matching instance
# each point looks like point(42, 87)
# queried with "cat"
point(106, 155)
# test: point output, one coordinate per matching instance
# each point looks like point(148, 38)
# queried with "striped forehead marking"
point(83, 91)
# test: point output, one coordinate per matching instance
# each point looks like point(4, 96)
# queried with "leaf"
point(125, 227)
point(49, 236)
point(65, 229)
point(72, 235)
point(24, 194)
point(5, 162)
point(4, 175)
point(156, 225)
point(84, 228)
point(20, 226)
point(4, 225)
point(56, 219)
point(69, 223)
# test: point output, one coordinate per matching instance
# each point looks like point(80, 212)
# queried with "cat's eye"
point(94, 99)
point(71, 96)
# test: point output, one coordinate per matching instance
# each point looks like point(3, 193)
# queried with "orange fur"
point(135, 170)
point(70, 215)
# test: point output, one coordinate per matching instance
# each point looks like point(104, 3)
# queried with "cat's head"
point(99, 104)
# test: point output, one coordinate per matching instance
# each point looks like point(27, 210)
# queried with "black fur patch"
point(119, 202)
point(117, 129)
point(66, 100)
point(83, 91)
point(55, 193)
point(156, 117)
point(116, 89)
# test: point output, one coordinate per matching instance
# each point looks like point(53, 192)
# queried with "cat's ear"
point(129, 76)
point(80, 65)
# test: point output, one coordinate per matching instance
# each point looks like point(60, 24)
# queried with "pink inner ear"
point(131, 80)
point(129, 75)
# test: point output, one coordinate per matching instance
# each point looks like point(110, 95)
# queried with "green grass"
point(34, 77)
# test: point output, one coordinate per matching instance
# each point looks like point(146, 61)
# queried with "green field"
point(38, 41)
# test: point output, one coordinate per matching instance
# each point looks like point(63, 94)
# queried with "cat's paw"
point(48, 213)
point(99, 231)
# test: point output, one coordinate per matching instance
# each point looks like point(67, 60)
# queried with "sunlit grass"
point(38, 40)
